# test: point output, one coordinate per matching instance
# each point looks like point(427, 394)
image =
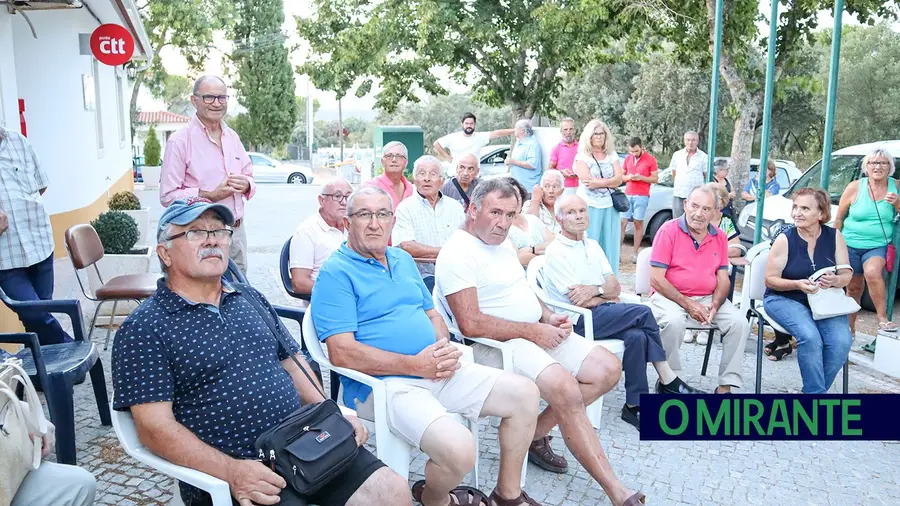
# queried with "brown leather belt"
point(237, 223)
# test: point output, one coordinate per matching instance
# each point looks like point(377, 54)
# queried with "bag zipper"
point(272, 459)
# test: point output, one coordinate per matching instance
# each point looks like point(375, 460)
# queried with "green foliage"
point(152, 149)
point(265, 79)
point(124, 201)
point(118, 232)
point(298, 135)
point(601, 90)
point(326, 133)
point(176, 92)
point(513, 53)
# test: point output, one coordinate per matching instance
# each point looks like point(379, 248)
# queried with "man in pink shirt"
point(206, 159)
point(563, 155)
point(640, 171)
point(394, 161)
point(689, 276)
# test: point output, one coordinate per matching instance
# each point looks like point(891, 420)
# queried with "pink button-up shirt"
point(193, 162)
point(385, 184)
point(564, 156)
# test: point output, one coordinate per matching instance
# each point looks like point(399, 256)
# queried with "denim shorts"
point(858, 257)
point(637, 207)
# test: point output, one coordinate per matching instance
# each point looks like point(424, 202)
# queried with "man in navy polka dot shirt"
point(203, 375)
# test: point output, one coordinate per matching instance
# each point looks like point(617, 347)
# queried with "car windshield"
point(844, 170)
point(665, 178)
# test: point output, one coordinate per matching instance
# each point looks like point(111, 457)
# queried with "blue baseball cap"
point(182, 212)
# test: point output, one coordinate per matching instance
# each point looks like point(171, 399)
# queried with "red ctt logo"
point(112, 44)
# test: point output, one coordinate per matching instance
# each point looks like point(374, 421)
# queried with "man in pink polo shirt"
point(394, 161)
point(563, 155)
point(206, 159)
point(640, 171)
point(689, 276)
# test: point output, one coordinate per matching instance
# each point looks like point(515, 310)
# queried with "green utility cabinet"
point(411, 136)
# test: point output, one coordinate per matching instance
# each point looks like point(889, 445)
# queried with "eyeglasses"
point(209, 99)
point(382, 216)
point(883, 164)
point(394, 156)
point(429, 175)
point(337, 197)
point(198, 236)
point(598, 134)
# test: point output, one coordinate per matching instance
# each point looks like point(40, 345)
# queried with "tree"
point(152, 148)
point(265, 79)
point(186, 25)
point(600, 91)
point(298, 135)
point(512, 53)
point(176, 93)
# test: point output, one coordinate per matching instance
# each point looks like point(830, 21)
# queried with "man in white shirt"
point(466, 141)
point(319, 236)
point(577, 272)
point(688, 171)
point(481, 290)
point(426, 220)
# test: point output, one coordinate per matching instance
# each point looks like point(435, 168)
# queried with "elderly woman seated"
point(528, 233)
point(544, 197)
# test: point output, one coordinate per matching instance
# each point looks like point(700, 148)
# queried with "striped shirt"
point(29, 238)
point(429, 226)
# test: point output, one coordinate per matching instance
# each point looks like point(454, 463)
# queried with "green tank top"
point(862, 228)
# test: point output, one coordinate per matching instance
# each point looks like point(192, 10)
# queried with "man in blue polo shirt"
point(204, 376)
point(374, 312)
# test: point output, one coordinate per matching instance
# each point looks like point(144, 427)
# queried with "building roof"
point(157, 117)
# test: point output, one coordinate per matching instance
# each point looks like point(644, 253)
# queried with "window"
point(98, 107)
point(258, 160)
point(665, 178)
point(120, 108)
point(844, 170)
point(498, 157)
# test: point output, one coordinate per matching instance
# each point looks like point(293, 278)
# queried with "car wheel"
point(297, 178)
point(656, 222)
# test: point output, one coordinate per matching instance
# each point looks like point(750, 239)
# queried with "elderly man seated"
point(543, 199)
point(319, 235)
point(376, 316)
point(484, 293)
point(577, 272)
point(204, 376)
point(426, 220)
point(460, 187)
point(689, 276)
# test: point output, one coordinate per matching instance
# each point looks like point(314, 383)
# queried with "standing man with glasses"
point(206, 159)
point(394, 161)
point(319, 236)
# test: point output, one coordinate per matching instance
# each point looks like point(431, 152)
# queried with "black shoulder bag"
point(619, 199)
point(461, 191)
point(311, 445)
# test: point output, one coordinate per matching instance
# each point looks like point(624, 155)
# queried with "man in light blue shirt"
point(526, 163)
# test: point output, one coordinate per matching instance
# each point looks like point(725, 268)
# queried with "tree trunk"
point(132, 112)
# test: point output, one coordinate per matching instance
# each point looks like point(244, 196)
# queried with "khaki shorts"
point(530, 360)
point(413, 404)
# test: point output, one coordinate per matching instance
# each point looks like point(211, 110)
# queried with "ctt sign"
point(112, 44)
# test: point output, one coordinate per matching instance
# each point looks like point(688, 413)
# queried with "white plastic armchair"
point(390, 448)
point(126, 431)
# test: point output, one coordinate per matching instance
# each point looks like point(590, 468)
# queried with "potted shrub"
point(128, 203)
point(118, 233)
point(152, 149)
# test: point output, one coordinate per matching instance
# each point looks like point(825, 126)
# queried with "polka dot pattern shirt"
point(219, 367)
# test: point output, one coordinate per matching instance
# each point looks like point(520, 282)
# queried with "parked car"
point(268, 170)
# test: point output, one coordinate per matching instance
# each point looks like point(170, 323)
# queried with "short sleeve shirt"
point(600, 198)
point(449, 190)
point(564, 156)
point(772, 186)
point(690, 267)
point(313, 242)
point(546, 215)
point(220, 367)
point(430, 226)
point(527, 238)
point(642, 166)
point(459, 144)
point(384, 307)
point(527, 150)
point(689, 174)
point(569, 262)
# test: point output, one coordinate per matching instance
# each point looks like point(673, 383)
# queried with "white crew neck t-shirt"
point(458, 144)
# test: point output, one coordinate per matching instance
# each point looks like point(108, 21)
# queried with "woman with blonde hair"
point(600, 173)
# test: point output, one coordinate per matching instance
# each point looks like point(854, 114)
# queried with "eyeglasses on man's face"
point(337, 197)
point(199, 236)
point(209, 99)
point(383, 216)
point(394, 156)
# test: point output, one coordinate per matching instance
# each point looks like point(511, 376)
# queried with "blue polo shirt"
point(220, 369)
point(384, 308)
point(527, 150)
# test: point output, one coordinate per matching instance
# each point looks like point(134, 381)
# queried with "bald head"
point(210, 99)
point(467, 168)
point(214, 80)
point(572, 214)
point(333, 201)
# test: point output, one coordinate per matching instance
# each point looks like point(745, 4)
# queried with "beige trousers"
point(239, 248)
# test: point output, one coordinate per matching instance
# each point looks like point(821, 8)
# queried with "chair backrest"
point(535, 275)
point(311, 340)
point(84, 245)
point(445, 313)
point(642, 272)
point(234, 274)
point(284, 270)
point(755, 275)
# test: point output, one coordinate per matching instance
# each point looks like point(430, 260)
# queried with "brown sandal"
point(459, 496)
point(542, 455)
point(637, 499)
point(522, 500)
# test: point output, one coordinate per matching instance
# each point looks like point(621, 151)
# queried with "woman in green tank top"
point(866, 218)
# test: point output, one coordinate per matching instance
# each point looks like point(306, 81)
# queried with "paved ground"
point(670, 473)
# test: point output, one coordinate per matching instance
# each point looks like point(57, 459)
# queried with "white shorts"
point(530, 360)
point(413, 404)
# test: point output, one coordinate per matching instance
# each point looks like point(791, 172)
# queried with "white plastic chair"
point(390, 448)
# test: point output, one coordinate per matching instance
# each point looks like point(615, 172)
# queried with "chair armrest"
point(70, 307)
point(30, 341)
point(217, 489)
point(493, 343)
point(291, 313)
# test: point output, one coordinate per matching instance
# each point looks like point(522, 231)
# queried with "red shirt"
point(564, 156)
point(690, 267)
point(642, 166)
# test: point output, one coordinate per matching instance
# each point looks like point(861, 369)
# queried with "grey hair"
point(363, 192)
point(162, 237)
point(500, 186)
point(691, 132)
point(329, 186)
point(878, 153)
point(570, 120)
point(422, 160)
point(203, 79)
point(525, 124)
point(707, 189)
point(720, 192)
point(721, 163)
point(395, 143)
point(558, 206)
point(553, 173)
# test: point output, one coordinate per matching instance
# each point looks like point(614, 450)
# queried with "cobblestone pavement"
point(670, 473)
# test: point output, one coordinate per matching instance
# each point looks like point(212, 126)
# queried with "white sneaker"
point(688, 336)
point(702, 338)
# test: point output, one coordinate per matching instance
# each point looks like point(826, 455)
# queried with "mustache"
point(205, 253)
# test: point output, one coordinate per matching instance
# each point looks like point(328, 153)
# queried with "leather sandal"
point(541, 454)
point(522, 500)
point(459, 496)
point(637, 499)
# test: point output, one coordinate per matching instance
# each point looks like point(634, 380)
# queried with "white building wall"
point(48, 73)
point(9, 105)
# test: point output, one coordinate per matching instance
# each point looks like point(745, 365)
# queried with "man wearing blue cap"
point(204, 376)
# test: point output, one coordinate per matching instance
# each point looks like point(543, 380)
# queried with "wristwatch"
point(532, 251)
point(599, 290)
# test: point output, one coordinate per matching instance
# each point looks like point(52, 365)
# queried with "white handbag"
point(22, 427)
point(830, 302)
